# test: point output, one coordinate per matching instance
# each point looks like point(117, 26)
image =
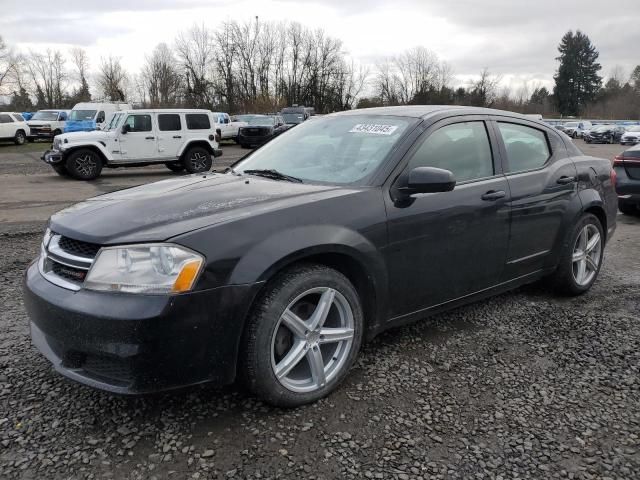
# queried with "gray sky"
point(516, 39)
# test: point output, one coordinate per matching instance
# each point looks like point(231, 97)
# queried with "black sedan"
point(276, 271)
point(261, 129)
point(627, 169)
point(604, 134)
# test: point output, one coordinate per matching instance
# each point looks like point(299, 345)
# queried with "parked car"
point(13, 127)
point(627, 169)
point(89, 116)
point(294, 115)
point(47, 124)
point(605, 134)
point(276, 271)
point(631, 136)
point(261, 129)
point(244, 117)
point(226, 127)
point(559, 127)
point(180, 139)
point(576, 129)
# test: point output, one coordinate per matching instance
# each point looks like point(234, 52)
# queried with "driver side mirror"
point(428, 180)
point(126, 128)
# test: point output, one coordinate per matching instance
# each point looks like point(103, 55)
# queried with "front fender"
point(70, 147)
point(271, 255)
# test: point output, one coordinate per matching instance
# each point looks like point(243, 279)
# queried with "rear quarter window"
point(198, 121)
point(18, 117)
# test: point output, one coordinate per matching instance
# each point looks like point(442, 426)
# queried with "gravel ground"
point(525, 385)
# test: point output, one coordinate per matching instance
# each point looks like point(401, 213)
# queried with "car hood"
point(164, 209)
point(93, 136)
point(40, 123)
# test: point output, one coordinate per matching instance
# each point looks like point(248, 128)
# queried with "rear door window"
point(198, 121)
point(18, 117)
point(527, 147)
point(169, 122)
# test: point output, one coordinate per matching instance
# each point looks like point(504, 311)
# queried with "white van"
point(88, 116)
point(47, 123)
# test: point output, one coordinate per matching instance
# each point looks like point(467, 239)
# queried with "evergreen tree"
point(539, 96)
point(577, 79)
point(20, 101)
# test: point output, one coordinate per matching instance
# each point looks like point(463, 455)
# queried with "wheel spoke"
point(591, 264)
point(577, 256)
point(593, 242)
point(582, 269)
point(294, 323)
point(333, 335)
point(316, 363)
point(291, 359)
point(322, 309)
point(584, 235)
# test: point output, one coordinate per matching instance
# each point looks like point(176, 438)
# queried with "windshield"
point(602, 128)
point(115, 120)
point(264, 121)
point(635, 128)
point(339, 150)
point(293, 117)
point(82, 114)
point(571, 124)
point(242, 118)
point(48, 116)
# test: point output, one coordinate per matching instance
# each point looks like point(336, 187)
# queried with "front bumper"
point(629, 141)
point(134, 344)
point(253, 140)
point(52, 157)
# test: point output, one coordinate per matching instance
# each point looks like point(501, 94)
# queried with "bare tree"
point(161, 79)
point(81, 63)
point(196, 52)
point(484, 91)
point(8, 67)
point(48, 76)
point(112, 79)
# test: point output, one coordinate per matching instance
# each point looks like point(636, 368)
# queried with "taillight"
point(614, 178)
point(617, 160)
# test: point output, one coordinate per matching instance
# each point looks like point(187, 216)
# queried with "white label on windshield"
point(373, 128)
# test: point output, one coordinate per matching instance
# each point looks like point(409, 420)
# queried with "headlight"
point(153, 269)
point(47, 237)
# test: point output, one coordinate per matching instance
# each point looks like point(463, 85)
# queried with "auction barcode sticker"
point(373, 128)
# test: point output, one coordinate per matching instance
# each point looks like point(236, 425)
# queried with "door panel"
point(540, 198)
point(443, 246)
point(140, 142)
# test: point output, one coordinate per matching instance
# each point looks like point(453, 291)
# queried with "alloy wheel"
point(586, 255)
point(20, 138)
point(86, 165)
point(312, 340)
point(198, 161)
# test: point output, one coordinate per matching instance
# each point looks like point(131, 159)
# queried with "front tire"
point(303, 336)
point(61, 170)
point(20, 138)
point(176, 167)
point(84, 164)
point(582, 257)
point(197, 160)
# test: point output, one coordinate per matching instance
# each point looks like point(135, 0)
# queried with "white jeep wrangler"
point(181, 139)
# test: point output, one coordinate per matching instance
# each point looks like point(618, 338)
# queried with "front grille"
point(254, 132)
point(76, 247)
point(69, 273)
point(112, 369)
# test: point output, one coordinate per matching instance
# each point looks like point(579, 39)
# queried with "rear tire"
point(176, 167)
point(20, 138)
point(581, 259)
point(197, 160)
point(84, 164)
point(307, 326)
point(627, 208)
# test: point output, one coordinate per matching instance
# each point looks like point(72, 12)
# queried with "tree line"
point(257, 66)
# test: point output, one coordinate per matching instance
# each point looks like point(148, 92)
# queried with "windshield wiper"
point(273, 174)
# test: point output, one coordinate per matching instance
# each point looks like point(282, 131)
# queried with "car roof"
point(425, 111)
point(167, 110)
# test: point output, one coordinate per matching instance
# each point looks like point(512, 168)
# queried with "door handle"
point(564, 180)
point(149, 138)
point(494, 195)
point(177, 136)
